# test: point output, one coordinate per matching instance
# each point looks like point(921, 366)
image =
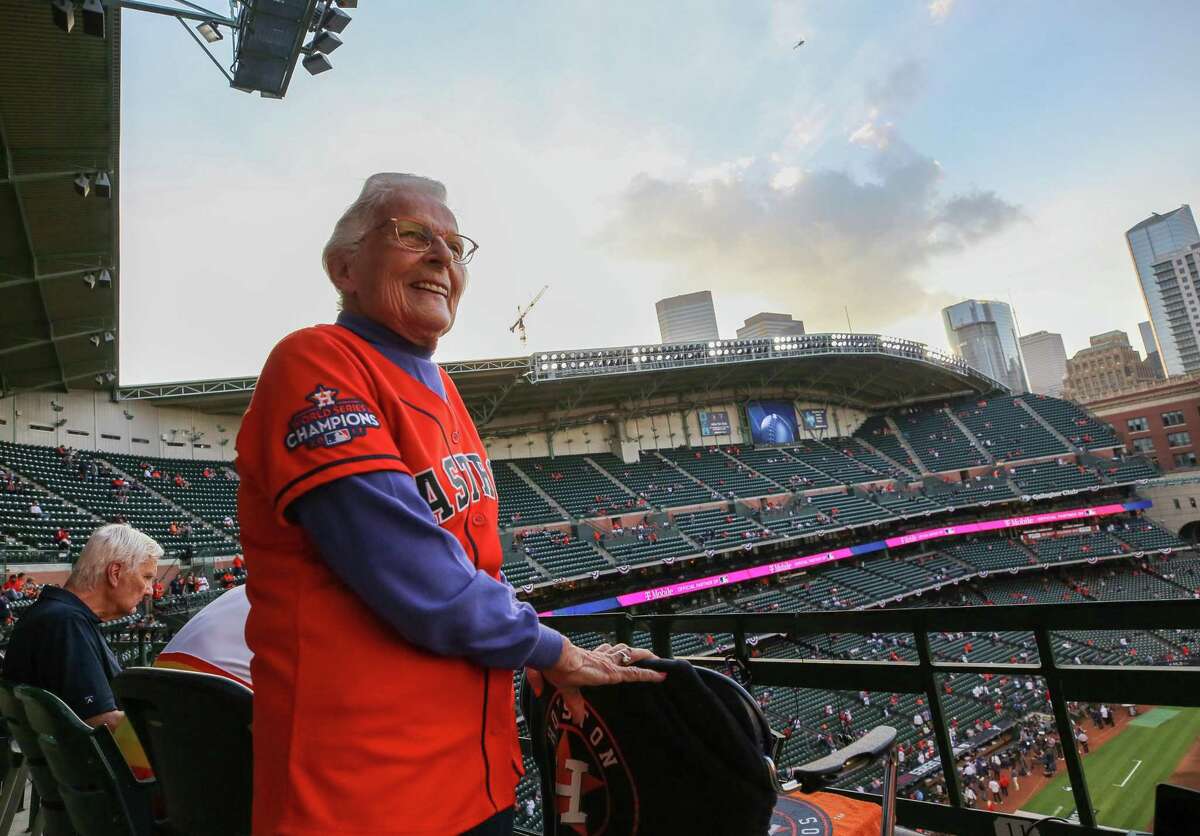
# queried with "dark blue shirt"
point(57, 646)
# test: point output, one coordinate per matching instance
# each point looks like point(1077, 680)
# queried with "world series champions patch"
point(330, 421)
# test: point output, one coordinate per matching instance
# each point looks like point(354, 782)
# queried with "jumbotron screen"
point(772, 422)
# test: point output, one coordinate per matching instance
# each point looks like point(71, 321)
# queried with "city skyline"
point(906, 157)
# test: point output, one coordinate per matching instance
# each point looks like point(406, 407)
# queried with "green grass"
point(1158, 744)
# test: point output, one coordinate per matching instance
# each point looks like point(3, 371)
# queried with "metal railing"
point(1176, 686)
point(592, 362)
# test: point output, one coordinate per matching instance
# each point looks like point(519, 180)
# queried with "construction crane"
point(518, 327)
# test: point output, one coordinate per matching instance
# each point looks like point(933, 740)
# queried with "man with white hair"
point(368, 515)
point(57, 644)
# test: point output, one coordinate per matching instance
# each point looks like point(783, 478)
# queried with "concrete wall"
point(666, 429)
point(92, 421)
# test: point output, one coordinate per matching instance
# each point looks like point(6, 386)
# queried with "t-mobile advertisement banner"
point(795, 563)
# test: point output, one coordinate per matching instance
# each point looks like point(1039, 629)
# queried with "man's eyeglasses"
point(418, 238)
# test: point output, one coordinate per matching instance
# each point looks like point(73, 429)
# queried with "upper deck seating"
point(725, 477)
point(1051, 477)
point(1073, 422)
point(577, 486)
point(938, 440)
point(842, 464)
point(780, 467)
point(1006, 430)
point(519, 503)
point(661, 484)
point(876, 432)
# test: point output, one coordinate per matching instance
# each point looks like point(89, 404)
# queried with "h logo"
point(573, 792)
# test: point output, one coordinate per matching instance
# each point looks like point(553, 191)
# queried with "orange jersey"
point(356, 731)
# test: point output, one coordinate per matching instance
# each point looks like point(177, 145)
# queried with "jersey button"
point(477, 519)
point(456, 436)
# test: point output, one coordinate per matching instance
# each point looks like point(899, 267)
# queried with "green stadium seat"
point(51, 814)
point(194, 724)
point(97, 787)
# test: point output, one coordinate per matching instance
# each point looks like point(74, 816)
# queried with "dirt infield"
point(1033, 783)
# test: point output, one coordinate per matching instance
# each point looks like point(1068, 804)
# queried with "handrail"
point(1137, 684)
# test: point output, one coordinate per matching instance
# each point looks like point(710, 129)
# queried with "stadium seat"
point(51, 815)
point(15, 774)
point(194, 724)
point(96, 785)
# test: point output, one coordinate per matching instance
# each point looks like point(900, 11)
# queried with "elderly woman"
point(383, 634)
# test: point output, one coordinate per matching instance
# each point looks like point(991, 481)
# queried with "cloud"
point(899, 88)
point(810, 242)
point(872, 134)
point(939, 10)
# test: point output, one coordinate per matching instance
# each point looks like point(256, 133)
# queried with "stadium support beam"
point(1054, 684)
point(27, 234)
point(191, 12)
point(53, 338)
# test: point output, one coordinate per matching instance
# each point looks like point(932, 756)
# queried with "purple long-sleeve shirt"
point(381, 537)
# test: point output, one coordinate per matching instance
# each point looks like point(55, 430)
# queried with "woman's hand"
point(606, 665)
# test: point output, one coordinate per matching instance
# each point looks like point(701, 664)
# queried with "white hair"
point(116, 543)
point(358, 218)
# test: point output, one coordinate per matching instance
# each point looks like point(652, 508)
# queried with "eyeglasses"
point(418, 238)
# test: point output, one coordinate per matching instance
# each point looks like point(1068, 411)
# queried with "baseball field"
point(1123, 773)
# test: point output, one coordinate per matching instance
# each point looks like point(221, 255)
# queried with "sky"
point(909, 155)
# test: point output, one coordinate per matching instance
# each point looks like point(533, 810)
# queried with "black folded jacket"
point(684, 756)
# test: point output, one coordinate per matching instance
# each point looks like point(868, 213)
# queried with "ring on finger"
point(626, 659)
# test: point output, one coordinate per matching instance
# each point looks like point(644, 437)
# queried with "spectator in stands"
point(228, 521)
point(341, 513)
point(57, 644)
point(213, 640)
point(62, 539)
point(35, 510)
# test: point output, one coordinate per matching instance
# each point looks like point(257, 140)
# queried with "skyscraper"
point(1160, 247)
point(687, 318)
point(1150, 348)
point(1109, 366)
point(766, 325)
point(1045, 362)
point(984, 334)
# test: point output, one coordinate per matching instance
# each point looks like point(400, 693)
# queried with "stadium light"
point(109, 377)
point(62, 12)
point(108, 336)
point(105, 277)
point(324, 43)
point(94, 339)
point(93, 18)
point(317, 64)
point(101, 184)
point(99, 379)
point(89, 279)
point(335, 20)
point(209, 31)
point(83, 186)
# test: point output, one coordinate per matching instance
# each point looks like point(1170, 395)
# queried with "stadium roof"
point(59, 118)
point(521, 393)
